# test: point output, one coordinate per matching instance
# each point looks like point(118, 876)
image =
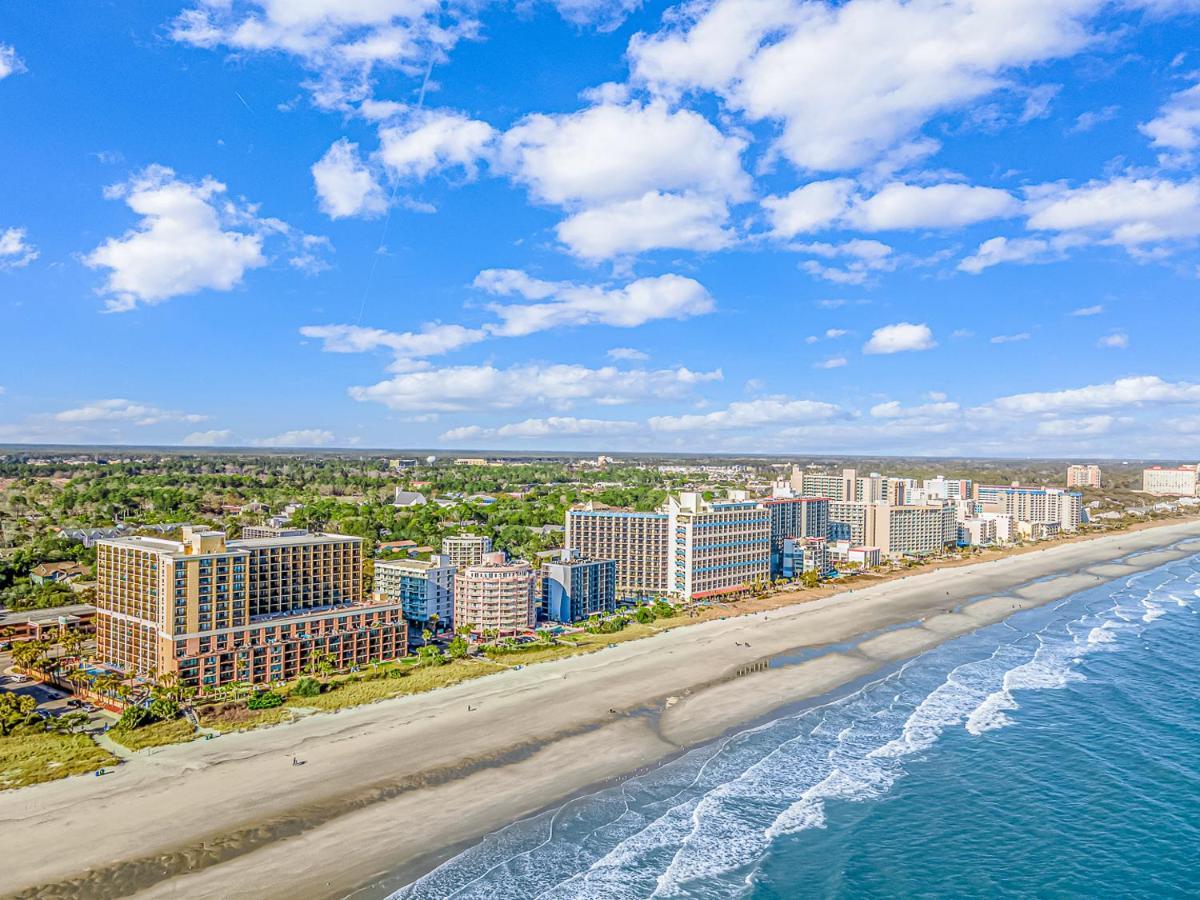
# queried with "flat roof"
point(9, 617)
point(291, 540)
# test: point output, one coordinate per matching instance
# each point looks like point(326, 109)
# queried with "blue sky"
point(935, 227)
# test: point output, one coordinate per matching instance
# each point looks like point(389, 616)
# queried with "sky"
point(935, 227)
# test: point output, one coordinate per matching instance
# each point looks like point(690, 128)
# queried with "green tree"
point(17, 711)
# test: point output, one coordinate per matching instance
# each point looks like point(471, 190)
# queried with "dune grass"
point(347, 692)
point(242, 719)
point(37, 757)
point(573, 645)
point(158, 734)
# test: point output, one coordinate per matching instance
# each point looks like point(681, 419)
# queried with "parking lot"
point(50, 699)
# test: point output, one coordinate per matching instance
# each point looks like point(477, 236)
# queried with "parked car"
point(87, 707)
point(74, 703)
point(20, 679)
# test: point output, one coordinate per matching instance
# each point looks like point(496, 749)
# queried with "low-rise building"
point(811, 554)
point(57, 572)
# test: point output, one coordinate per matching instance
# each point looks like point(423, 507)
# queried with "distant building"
point(398, 464)
point(575, 588)
point(1083, 476)
point(495, 595)
point(470, 461)
point(897, 530)
point(57, 572)
point(424, 587)
point(257, 611)
point(637, 541)
point(1176, 482)
point(253, 532)
point(406, 499)
point(466, 549)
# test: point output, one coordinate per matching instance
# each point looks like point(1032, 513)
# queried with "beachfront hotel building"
point(897, 530)
point(719, 547)
point(257, 611)
point(495, 595)
point(423, 587)
point(636, 541)
point(794, 517)
point(1175, 482)
point(466, 549)
point(576, 588)
point(1083, 476)
point(1033, 504)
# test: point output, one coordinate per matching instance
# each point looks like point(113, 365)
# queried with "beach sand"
point(393, 788)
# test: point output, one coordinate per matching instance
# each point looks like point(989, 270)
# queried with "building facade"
point(810, 554)
point(495, 596)
point(1083, 476)
point(1176, 482)
point(576, 588)
point(423, 587)
point(636, 541)
point(257, 611)
point(1034, 504)
point(795, 517)
point(718, 547)
point(466, 549)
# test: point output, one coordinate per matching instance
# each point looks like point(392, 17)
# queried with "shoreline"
point(393, 788)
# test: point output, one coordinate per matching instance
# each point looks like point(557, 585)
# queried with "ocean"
point(1056, 754)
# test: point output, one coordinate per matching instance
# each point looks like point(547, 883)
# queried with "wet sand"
point(395, 787)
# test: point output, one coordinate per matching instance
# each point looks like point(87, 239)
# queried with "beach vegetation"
point(264, 700)
point(355, 690)
point(35, 756)
point(306, 687)
point(151, 733)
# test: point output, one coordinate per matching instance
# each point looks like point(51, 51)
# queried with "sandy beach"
point(391, 789)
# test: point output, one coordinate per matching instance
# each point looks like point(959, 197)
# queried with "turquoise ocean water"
point(1053, 755)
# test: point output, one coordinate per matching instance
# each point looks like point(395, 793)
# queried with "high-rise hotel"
point(257, 611)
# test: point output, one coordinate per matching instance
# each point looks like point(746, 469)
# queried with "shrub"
point(644, 615)
point(264, 700)
point(134, 717)
point(307, 687)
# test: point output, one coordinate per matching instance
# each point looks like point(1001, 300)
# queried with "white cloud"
point(1088, 310)
point(190, 238)
point(345, 186)
point(10, 63)
point(469, 388)
point(1128, 211)
point(1088, 120)
point(865, 257)
point(850, 82)
point(605, 15)
point(549, 427)
point(748, 414)
point(118, 410)
point(214, 438)
point(900, 206)
point(650, 222)
point(897, 206)
point(342, 42)
point(303, 437)
point(1176, 128)
point(1115, 341)
point(15, 249)
point(894, 409)
point(813, 207)
point(902, 336)
point(563, 303)
point(1124, 392)
point(628, 354)
point(1011, 338)
point(608, 153)
point(431, 141)
point(1088, 425)
point(997, 250)
point(834, 362)
point(433, 339)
